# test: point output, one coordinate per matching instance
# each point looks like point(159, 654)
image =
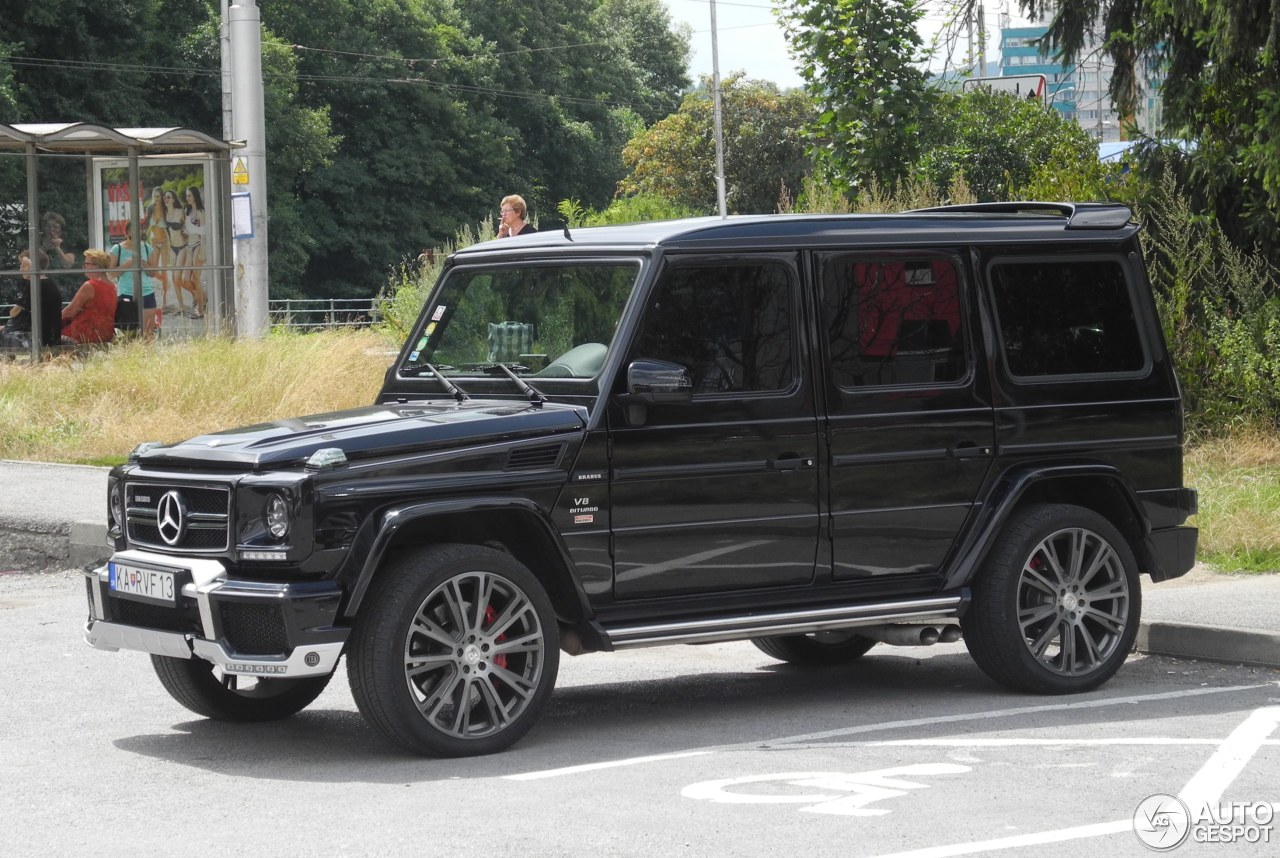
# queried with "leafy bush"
point(1221, 316)
point(411, 280)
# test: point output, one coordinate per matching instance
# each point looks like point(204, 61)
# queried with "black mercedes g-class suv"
point(815, 433)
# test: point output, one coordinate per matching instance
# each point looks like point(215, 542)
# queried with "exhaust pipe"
point(949, 634)
point(900, 634)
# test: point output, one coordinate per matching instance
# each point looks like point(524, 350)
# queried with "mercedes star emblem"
point(171, 518)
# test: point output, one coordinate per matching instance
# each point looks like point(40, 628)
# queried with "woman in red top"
point(91, 315)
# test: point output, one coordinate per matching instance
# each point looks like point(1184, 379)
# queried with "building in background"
point(1079, 91)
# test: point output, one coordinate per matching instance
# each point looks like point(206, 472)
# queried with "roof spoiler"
point(1078, 215)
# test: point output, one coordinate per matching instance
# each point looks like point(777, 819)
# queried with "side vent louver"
point(526, 458)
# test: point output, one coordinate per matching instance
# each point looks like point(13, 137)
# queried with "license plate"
point(148, 585)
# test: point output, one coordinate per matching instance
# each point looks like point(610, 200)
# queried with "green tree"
point(999, 142)
point(861, 62)
point(573, 80)
point(416, 154)
point(764, 149)
point(1220, 63)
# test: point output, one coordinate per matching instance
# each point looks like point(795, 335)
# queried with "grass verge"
point(1238, 479)
point(95, 409)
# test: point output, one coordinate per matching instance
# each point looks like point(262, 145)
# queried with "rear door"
point(910, 420)
point(719, 494)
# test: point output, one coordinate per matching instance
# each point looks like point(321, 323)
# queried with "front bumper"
point(244, 627)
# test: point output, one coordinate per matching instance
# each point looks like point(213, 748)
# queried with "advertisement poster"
point(176, 216)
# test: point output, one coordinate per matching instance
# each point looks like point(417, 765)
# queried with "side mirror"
point(654, 382)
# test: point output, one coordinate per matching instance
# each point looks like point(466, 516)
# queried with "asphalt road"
point(707, 751)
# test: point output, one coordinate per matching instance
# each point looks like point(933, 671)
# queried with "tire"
point(1056, 609)
point(455, 652)
point(835, 647)
point(196, 684)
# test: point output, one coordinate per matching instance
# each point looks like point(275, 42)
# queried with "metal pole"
point(224, 39)
point(135, 223)
point(33, 249)
point(249, 254)
point(982, 41)
point(715, 97)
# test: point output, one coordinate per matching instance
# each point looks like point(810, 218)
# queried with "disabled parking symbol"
point(855, 790)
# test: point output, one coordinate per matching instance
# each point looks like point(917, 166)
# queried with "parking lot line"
point(792, 742)
point(1205, 787)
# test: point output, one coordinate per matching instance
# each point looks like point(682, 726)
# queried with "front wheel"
point(205, 690)
point(1056, 609)
point(455, 652)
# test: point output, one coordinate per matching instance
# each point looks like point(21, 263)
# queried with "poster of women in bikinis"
point(173, 230)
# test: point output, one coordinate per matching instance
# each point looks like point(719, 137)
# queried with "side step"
point(742, 627)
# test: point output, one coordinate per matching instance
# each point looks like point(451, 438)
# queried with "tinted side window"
point(730, 325)
point(1060, 317)
point(892, 321)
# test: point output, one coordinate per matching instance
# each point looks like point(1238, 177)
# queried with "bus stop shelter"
point(137, 146)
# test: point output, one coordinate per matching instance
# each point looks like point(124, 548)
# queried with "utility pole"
point(982, 41)
point(716, 112)
point(248, 123)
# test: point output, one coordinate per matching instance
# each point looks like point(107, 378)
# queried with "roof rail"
point(1078, 215)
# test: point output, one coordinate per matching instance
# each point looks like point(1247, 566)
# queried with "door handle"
point(790, 462)
point(969, 450)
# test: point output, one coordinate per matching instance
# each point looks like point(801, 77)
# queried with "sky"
point(751, 40)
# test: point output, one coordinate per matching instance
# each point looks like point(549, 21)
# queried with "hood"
point(374, 431)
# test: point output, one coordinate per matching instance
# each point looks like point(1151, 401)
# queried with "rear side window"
point(1066, 317)
point(892, 321)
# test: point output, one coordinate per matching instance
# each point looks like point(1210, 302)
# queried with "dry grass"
point(1239, 484)
point(94, 410)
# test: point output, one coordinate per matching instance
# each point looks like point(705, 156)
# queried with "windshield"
point(547, 321)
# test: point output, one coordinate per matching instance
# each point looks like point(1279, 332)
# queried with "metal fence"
point(316, 313)
point(308, 314)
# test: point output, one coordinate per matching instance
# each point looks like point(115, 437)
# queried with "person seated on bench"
point(18, 331)
point(91, 315)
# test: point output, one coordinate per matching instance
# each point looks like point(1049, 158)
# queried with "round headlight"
point(116, 499)
point(277, 517)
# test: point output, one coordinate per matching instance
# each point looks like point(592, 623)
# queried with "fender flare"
point(393, 520)
point(1007, 492)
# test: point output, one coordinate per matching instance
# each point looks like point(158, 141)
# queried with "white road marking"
point(1230, 759)
point(1005, 713)
point(1205, 786)
point(1014, 743)
point(796, 742)
point(864, 787)
point(594, 767)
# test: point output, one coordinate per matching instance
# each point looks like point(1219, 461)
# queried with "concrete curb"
point(1210, 643)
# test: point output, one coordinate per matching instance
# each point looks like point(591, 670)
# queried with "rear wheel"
point(207, 691)
point(1056, 609)
point(455, 652)
point(833, 647)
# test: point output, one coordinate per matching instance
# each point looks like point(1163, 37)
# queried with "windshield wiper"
point(535, 398)
point(449, 387)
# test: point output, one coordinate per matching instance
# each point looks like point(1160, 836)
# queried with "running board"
point(743, 627)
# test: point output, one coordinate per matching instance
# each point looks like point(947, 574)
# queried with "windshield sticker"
point(431, 329)
point(438, 314)
point(413, 356)
point(422, 343)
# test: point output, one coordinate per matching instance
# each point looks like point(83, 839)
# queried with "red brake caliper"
point(489, 616)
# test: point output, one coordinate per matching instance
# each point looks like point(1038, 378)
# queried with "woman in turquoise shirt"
point(123, 253)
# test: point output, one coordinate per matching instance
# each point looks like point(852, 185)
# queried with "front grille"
point(253, 629)
point(159, 617)
point(179, 517)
